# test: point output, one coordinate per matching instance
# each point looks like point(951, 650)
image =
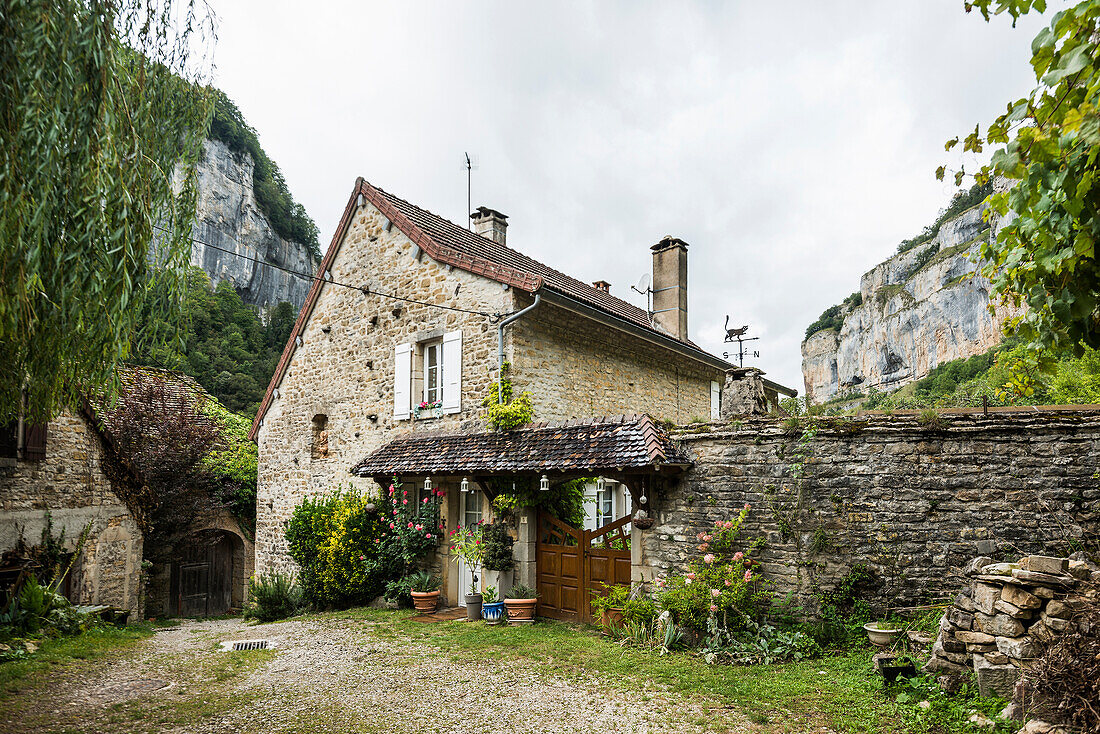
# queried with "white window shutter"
point(715, 401)
point(402, 381)
point(452, 372)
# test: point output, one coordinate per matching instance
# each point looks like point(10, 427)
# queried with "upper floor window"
point(433, 373)
point(319, 441)
point(427, 376)
point(22, 440)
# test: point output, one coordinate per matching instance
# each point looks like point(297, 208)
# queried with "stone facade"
point(914, 502)
point(72, 485)
point(340, 379)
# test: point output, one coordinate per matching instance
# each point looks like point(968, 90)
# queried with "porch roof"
point(619, 444)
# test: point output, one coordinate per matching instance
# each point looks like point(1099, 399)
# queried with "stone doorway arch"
point(206, 575)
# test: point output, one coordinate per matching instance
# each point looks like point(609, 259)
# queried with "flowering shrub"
point(350, 546)
point(723, 584)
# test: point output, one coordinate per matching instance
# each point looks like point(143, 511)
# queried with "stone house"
point(405, 330)
point(70, 474)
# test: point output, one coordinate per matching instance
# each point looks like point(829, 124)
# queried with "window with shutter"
point(452, 372)
point(715, 401)
point(402, 381)
point(34, 441)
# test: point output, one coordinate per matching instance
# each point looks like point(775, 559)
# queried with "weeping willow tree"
point(102, 116)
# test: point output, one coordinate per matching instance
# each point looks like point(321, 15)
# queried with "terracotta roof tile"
point(608, 444)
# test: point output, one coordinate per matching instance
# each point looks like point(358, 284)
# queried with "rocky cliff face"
point(919, 310)
point(228, 216)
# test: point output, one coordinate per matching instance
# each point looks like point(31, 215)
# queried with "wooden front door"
point(572, 563)
point(202, 579)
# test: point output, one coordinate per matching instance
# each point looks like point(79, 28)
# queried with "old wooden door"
point(572, 563)
point(204, 578)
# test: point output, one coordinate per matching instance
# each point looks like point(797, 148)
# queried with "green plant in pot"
point(608, 603)
point(424, 589)
point(467, 546)
point(492, 608)
point(521, 602)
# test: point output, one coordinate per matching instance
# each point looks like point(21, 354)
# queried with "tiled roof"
point(450, 235)
point(608, 444)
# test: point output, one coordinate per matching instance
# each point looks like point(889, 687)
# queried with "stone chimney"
point(670, 278)
point(491, 224)
point(602, 285)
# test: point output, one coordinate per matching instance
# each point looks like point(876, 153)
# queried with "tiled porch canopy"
point(622, 445)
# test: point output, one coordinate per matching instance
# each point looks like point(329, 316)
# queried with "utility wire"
point(493, 317)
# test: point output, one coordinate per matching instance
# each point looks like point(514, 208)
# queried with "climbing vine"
point(506, 411)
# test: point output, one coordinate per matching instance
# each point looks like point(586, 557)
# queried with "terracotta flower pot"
point(521, 611)
point(425, 602)
point(611, 618)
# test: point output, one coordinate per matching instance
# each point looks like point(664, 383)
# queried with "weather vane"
point(738, 335)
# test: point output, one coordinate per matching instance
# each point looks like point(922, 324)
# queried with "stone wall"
point(913, 500)
point(71, 485)
point(1007, 613)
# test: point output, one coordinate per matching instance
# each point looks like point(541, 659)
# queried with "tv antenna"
point(642, 287)
point(737, 334)
point(471, 166)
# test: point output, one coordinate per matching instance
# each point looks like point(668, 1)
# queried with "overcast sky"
point(792, 145)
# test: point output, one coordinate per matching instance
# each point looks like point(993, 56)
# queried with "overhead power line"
point(365, 290)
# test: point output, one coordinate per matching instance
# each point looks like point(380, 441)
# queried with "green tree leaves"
point(1044, 257)
point(97, 113)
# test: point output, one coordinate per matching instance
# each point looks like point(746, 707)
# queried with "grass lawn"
point(57, 653)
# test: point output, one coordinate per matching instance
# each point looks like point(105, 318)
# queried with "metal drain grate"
point(250, 645)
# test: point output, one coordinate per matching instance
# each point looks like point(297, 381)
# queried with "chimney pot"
point(491, 224)
point(670, 286)
point(602, 285)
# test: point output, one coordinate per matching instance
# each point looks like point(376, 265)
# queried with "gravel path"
point(328, 675)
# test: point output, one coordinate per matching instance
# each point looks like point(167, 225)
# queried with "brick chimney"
point(670, 277)
point(491, 224)
point(602, 285)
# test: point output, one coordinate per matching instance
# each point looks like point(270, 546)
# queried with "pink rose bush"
point(719, 587)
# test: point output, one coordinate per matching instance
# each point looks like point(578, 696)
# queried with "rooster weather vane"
point(738, 335)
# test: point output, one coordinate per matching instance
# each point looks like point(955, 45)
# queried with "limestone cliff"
point(919, 309)
point(228, 216)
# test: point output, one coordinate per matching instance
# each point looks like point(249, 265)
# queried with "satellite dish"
point(643, 283)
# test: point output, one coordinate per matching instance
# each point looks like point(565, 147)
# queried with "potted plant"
point(425, 409)
point(521, 601)
point(466, 545)
point(883, 633)
point(424, 589)
point(492, 609)
point(893, 665)
point(609, 605)
point(497, 561)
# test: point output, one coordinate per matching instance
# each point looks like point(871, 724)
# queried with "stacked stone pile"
point(1007, 613)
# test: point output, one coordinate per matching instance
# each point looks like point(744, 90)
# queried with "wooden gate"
point(572, 563)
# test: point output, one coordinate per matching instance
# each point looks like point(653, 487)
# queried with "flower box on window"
point(428, 410)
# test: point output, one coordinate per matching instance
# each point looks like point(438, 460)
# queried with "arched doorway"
point(204, 573)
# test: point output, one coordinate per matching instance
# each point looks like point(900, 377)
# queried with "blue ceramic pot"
point(493, 613)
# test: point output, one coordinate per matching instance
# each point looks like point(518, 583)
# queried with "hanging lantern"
point(427, 484)
point(544, 483)
point(642, 500)
point(465, 486)
point(600, 484)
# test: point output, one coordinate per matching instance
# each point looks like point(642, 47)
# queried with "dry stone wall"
point(914, 501)
point(71, 486)
point(1007, 613)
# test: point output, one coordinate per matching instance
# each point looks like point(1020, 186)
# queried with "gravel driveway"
point(331, 675)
